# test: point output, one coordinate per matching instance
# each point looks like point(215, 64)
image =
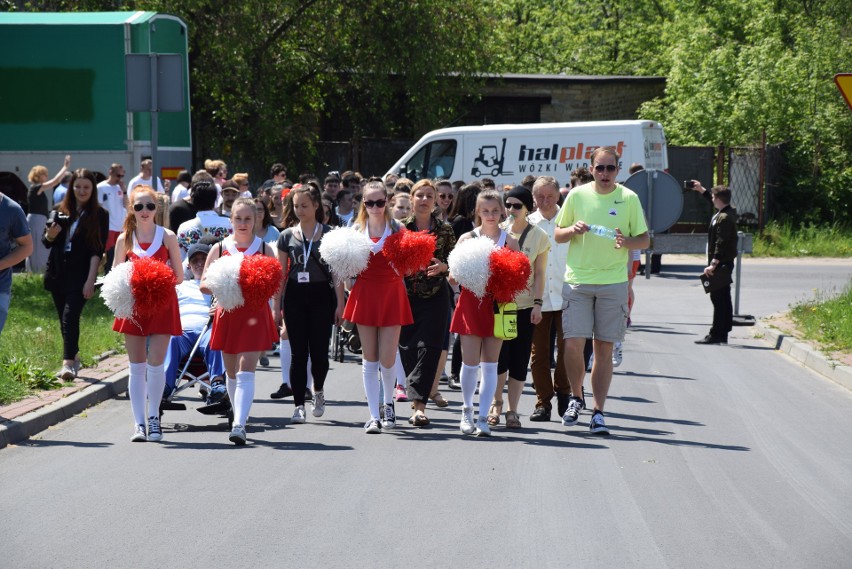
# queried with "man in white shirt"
point(145, 177)
point(195, 312)
point(546, 195)
point(206, 222)
point(113, 199)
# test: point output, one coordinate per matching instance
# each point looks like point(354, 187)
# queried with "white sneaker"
point(372, 427)
point(238, 435)
point(482, 428)
point(466, 425)
point(318, 404)
point(298, 415)
point(139, 435)
point(389, 416)
point(154, 432)
point(617, 356)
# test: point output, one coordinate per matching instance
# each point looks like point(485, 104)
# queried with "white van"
point(509, 152)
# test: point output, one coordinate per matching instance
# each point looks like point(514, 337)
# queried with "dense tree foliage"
point(733, 68)
point(264, 71)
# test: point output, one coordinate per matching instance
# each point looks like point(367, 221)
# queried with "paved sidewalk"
point(108, 379)
point(25, 418)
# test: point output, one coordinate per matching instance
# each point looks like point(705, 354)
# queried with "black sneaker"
point(597, 426)
point(710, 340)
point(572, 414)
point(283, 391)
point(540, 415)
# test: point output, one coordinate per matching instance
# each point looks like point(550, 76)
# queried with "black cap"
point(197, 248)
point(523, 195)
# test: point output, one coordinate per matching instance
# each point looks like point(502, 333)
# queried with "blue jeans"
point(180, 346)
point(5, 301)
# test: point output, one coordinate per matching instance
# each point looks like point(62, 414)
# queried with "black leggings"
point(69, 306)
point(309, 316)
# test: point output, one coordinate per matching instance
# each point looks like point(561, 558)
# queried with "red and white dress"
point(378, 297)
point(164, 320)
point(244, 329)
point(475, 317)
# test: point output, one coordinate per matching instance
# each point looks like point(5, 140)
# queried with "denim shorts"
point(595, 311)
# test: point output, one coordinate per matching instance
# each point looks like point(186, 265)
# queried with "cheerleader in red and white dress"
point(473, 321)
point(244, 333)
point(378, 304)
point(142, 237)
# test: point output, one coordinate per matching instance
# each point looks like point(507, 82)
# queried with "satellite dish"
point(661, 197)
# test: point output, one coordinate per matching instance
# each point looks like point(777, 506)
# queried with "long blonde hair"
point(361, 218)
point(130, 218)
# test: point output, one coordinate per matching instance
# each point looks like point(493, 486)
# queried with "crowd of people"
point(581, 241)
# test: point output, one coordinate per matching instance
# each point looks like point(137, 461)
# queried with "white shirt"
point(138, 180)
point(193, 304)
point(346, 218)
point(556, 261)
point(112, 200)
point(179, 193)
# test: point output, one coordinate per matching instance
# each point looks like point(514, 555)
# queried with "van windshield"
point(435, 160)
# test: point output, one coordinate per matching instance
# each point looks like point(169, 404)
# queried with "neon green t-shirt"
point(593, 259)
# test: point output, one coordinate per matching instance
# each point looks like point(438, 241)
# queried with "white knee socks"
point(469, 376)
point(243, 396)
point(370, 372)
point(156, 383)
point(487, 387)
point(286, 360)
point(388, 383)
point(136, 391)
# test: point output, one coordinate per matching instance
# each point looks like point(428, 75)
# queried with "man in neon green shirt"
point(595, 287)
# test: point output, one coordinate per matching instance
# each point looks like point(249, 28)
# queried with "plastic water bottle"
point(602, 231)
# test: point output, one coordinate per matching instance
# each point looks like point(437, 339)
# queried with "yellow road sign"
point(844, 83)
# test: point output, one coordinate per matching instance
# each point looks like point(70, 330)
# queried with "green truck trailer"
point(63, 92)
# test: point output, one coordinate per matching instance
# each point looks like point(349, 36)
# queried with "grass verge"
point(827, 320)
point(31, 342)
point(784, 240)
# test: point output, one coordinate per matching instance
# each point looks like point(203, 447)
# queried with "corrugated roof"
point(74, 18)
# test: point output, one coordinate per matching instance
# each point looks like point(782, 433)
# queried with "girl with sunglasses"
point(244, 333)
point(444, 200)
point(515, 353)
point(473, 321)
point(147, 337)
point(378, 304)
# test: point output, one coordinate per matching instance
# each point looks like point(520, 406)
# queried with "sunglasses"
point(140, 206)
point(607, 167)
point(376, 203)
point(517, 206)
point(445, 196)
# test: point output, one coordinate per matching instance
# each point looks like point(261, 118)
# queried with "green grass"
point(784, 240)
point(828, 320)
point(31, 343)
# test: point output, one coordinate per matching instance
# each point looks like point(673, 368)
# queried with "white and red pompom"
point(152, 282)
point(116, 291)
point(138, 288)
point(223, 278)
point(346, 251)
point(260, 279)
point(410, 252)
point(470, 264)
point(509, 274)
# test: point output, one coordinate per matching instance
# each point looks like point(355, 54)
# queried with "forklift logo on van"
point(489, 161)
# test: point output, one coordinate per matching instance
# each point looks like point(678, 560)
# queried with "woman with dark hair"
point(464, 210)
point(77, 232)
point(311, 300)
point(263, 226)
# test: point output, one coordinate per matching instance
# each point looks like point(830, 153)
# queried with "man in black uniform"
point(721, 252)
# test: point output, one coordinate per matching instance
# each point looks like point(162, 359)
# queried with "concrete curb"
point(25, 426)
point(806, 354)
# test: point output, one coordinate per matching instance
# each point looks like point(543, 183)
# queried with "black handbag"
point(720, 278)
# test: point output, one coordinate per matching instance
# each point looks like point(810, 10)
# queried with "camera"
point(63, 220)
point(688, 184)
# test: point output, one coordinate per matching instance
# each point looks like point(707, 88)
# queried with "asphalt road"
point(719, 457)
